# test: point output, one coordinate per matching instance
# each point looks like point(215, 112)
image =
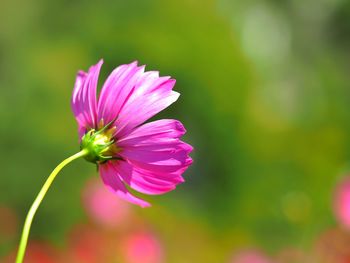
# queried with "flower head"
point(150, 157)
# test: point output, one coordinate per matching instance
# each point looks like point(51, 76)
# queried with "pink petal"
point(84, 97)
point(111, 178)
point(161, 129)
point(134, 96)
point(117, 89)
point(149, 98)
point(144, 181)
point(155, 150)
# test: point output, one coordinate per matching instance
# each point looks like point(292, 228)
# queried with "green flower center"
point(100, 145)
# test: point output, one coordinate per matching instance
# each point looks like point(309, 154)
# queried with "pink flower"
point(341, 203)
point(150, 158)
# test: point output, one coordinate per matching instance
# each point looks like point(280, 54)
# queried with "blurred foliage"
point(265, 95)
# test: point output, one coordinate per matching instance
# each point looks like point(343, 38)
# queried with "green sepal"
point(100, 144)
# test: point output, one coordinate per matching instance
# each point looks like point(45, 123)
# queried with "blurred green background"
point(264, 96)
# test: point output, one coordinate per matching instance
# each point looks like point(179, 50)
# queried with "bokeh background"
point(265, 99)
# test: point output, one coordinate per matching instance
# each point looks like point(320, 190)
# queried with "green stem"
point(37, 202)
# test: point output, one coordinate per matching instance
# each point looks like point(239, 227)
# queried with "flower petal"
point(116, 90)
point(111, 178)
point(134, 96)
point(146, 182)
point(84, 97)
point(152, 95)
point(160, 130)
point(155, 148)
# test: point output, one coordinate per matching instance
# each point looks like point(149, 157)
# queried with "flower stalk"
point(38, 200)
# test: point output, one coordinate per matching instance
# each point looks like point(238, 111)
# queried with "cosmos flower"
point(150, 158)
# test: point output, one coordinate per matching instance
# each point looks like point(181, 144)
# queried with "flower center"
point(100, 145)
point(101, 139)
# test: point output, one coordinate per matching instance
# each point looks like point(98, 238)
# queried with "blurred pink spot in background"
point(142, 247)
point(37, 252)
point(87, 245)
point(341, 202)
point(332, 246)
point(104, 207)
point(293, 255)
point(250, 256)
point(8, 225)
